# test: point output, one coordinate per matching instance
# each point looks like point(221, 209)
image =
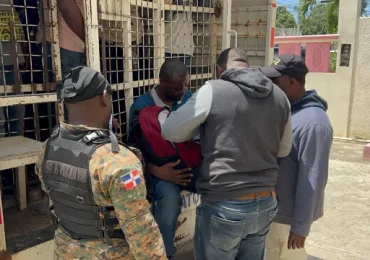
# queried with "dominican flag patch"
point(131, 179)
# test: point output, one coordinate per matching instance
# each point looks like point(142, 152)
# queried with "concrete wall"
point(360, 116)
point(335, 89)
point(338, 88)
point(349, 16)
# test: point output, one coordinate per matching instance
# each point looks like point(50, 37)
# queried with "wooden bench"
point(17, 152)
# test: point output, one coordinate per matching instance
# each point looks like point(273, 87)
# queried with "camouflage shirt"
point(143, 239)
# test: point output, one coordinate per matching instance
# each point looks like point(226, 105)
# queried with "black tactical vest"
point(65, 172)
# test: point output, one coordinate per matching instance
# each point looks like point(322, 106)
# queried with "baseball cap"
point(286, 64)
point(82, 83)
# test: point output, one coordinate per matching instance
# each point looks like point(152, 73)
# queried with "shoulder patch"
point(131, 180)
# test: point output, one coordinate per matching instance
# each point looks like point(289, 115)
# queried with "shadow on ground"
point(189, 256)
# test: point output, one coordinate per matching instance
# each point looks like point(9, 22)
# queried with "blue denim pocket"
point(272, 213)
point(226, 234)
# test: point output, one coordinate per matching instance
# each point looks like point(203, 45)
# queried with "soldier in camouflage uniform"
point(95, 186)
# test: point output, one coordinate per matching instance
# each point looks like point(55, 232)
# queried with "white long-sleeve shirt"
point(184, 123)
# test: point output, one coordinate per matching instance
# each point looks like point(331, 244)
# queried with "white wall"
point(335, 89)
point(360, 116)
point(338, 88)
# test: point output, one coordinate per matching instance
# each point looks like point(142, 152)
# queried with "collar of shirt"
point(157, 101)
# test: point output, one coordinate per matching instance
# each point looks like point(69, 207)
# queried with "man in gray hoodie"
point(244, 125)
point(304, 173)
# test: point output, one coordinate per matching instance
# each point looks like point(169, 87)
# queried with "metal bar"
point(27, 88)
point(213, 44)
point(36, 121)
point(92, 34)
point(46, 68)
point(226, 23)
point(270, 32)
point(244, 35)
point(256, 23)
point(27, 99)
point(103, 52)
point(57, 72)
point(44, 46)
point(188, 8)
point(57, 68)
point(129, 94)
point(29, 50)
point(236, 37)
point(14, 45)
point(159, 37)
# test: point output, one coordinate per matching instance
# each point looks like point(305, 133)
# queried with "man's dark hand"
point(296, 241)
point(168, 173)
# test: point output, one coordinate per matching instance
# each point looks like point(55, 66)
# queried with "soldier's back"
point(105, 167)
point(117, 180)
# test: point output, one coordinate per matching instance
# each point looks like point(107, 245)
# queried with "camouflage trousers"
point(67, 248)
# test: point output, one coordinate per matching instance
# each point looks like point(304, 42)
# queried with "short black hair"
point(232, 54)
point(171, 66)
point(301, 81)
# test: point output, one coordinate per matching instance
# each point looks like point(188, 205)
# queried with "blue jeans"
point(69, 60)
point(234, 229)
point(10, 112)
point(167, 208)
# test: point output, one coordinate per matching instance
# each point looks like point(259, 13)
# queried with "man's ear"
point(293, 82)
point(219, 71)
point(105, 98)
point(161, 81)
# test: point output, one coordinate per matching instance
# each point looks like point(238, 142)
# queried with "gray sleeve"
point(286, 140)
point(184, 123)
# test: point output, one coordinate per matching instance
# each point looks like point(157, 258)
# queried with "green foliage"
point(365, 4)
point(284, 19)
point(332, 13)
point(332, 16)
point(316, 22)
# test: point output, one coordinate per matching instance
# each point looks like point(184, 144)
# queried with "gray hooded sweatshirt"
point(241, 137)
point(241, 119)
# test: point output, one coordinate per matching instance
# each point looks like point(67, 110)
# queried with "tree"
point(284, 19)
point(316, 22)
point(332, 11)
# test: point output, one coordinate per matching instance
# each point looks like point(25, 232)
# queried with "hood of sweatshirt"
point(310, 99)
point(251, 81)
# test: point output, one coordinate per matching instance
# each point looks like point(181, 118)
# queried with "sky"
point(291, 5)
